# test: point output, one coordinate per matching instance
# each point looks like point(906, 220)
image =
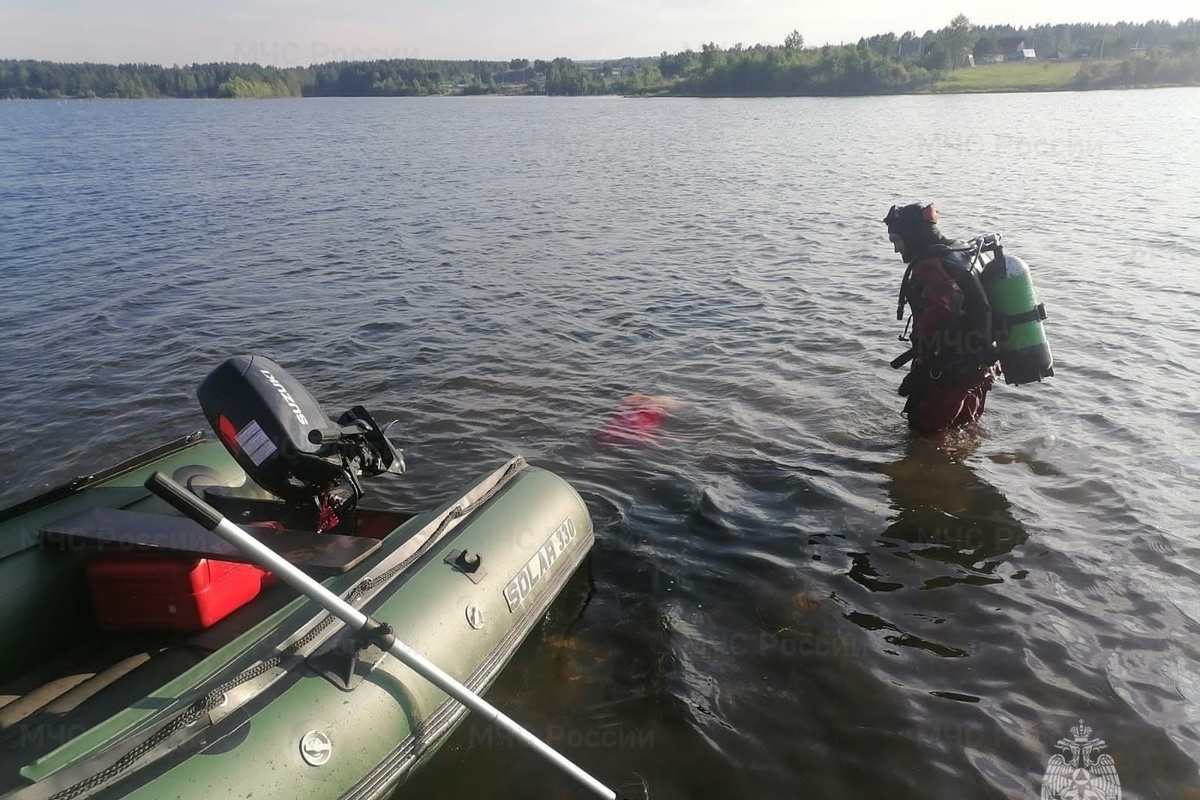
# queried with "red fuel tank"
point(148, 591)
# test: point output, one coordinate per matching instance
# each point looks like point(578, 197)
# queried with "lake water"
point(789, 596)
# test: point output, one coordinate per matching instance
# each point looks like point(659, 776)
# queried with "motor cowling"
point(284, 440)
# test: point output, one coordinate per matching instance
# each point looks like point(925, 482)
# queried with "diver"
point(954, 360)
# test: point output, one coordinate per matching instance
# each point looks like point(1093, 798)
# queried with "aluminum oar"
point(195, 508)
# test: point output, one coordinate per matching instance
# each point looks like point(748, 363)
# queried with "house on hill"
point(1014, 49)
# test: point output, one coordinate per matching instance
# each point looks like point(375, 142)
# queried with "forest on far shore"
point(1154, 53)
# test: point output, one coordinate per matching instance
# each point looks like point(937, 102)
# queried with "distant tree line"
point(397, 77)
point(1093, 41)
point(1151, 53)
point(946, 48)
point(1156, 69)
point(1124, 54)
point(389, 78)
point(788, 70)
point(38, 79)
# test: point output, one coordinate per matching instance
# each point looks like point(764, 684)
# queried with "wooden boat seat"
point(35, 723)
point(88, 682)
point(118, 529)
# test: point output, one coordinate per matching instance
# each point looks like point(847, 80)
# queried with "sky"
point(300, 32)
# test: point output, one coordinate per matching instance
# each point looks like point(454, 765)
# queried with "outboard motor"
point(283, 439)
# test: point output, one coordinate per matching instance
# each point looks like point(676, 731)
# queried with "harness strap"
point(902, 359)
point(1036, 314)
point(901, 301)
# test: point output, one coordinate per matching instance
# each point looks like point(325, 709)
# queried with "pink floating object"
point(633, 425)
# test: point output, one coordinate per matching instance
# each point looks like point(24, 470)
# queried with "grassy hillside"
point(1018, 76)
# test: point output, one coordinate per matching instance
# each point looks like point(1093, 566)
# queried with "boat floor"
point(98, 674)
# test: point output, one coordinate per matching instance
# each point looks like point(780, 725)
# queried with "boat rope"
point(216, 696)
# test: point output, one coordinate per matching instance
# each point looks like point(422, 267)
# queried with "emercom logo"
point(1081, 771)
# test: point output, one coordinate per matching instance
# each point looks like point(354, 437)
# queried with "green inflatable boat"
point(146, 657)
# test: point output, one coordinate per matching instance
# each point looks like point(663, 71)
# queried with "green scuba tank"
point(1017, 318)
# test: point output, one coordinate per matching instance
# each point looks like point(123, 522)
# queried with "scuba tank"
point(1016, 314)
